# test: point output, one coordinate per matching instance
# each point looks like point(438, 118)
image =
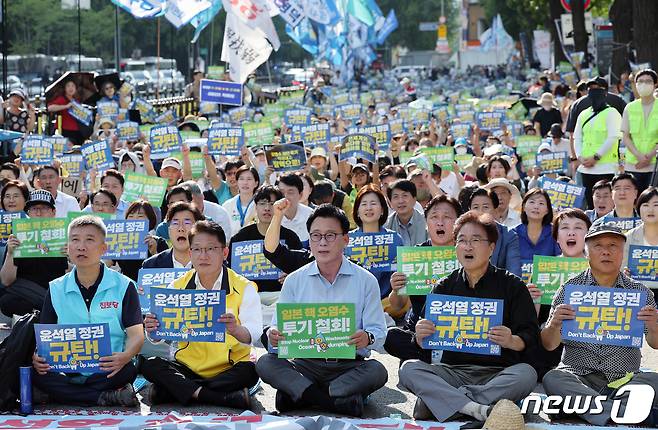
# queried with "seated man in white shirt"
point(291, 186)
point(49, 180)
point(217, 373)
point(212, 211)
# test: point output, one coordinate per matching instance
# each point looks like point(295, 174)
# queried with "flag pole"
point(79, 39)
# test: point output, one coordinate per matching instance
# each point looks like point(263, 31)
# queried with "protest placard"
point(150, 188)
point(227, 141)
point(37, 150)
point(349, 111)
point(71, 186)
point(553, 162)
point(425, 266)
point(221, 92)
point(97, 155)
point(164, 139)
point(297, 116)
point(208, 108)
point(146, 111)
point(359, 146)
point(197, 162)
point(316, 330)
point(562, 195)
point(397, 126)
point(128, 130)
point(126, 239)
point(625, 224)
point(488, 121)
point(381, 133)
point(643, 262)
point(155, 278)
point(239, 115)
point(189, 315)
point(312, 135)
point(248, 260)
point(39, 237)
point(460, 130)
point(107, 109)
point(258, 133)
point(463, 323)
point(420, 116)
point(287, 157)
point(375, 252)
point(527, 144)
point(550, 273)
point(80, 113)
point(442, 113)
point(73, 348)
point(6, 220)
point(60, 144)
point(526, 271)
point(9, 135)
point(604, 316)
point(444, 156)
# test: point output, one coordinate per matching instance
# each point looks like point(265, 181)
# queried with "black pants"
point(179, 383)
point(588, 183)
point(399, 344)
point(69, 389)
point(11, 304)
point(21, 298)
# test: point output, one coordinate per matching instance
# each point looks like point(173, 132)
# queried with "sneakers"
point(283, 402)
point(150, 395)
point(421, 411)
point(124, 396)
point(349, 405)
point(238, 399)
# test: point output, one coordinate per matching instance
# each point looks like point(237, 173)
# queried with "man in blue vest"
point(92, 293)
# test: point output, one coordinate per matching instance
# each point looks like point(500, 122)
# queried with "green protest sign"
point(73, 215)
point(149, 188)
point(527, 144)
point(316, 330)
point(549, 273)
point(444, 156)
point(40, 237)
point(196, 160)
point(463, 160)
point(518, 111)
point(425, 266)
point(258, 133)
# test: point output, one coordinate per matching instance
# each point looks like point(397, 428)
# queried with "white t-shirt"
point(231, 208)
point(449, 185)
point(65, 204)
point(218, 214)
point(298, 223)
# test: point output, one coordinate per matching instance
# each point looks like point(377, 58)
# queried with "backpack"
point(16, 351)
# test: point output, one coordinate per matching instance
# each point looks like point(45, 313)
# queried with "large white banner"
point(244, 48)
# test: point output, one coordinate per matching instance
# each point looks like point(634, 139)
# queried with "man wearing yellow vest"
point(210, 372)
point(596, 138)
point(639, 125)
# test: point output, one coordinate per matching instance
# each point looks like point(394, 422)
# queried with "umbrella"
point(84, 81)
point(99, 81)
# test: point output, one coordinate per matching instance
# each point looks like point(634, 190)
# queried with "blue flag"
point(142, 8)
point(390, 25)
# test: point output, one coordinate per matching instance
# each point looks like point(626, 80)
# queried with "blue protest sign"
point(287, 157)
point(98, 155)
point(463, 323)
point(227, 141)
point(553, 162)
point(489, 120)
point(125, 239)
point(166, 117)
point(73, 348)
point(359, 146)
point(72, 165)
point(643, 262)
point(248, 260)
point(37, 150)
point(5, 224)
point(239, 115)
point(154, 278)
point(312, 135)
point(625, 224)
point(460, 130)
point(164, 140)
point(526, 271)
point(604, 316)
point(108, 109)
point(189, 315)
point(60, 145)
point(9, 135)
point(375, 252)
point(81, 113)
point(349, 111)
point(128, 130)
point(381, 133)
point(297, 117)
point(146, 111)
point(563, 195)
point(221, 92)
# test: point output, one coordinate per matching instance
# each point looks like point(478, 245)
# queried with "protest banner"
point(150, 188)
point(463, 323)
point(71, 186)
point(460, 130)
point(420, 116)
point(287, 157)
point(221, 92)
point(381, 133)
point(553, 162)
point(341, 98)
point(643, 263)
point(562, 195)
point(397, 126)
point(550, 273)
point(375, 252)
point(155, 278)
point(37, 150)
point(9, 135)
point(128, 130)
point(80, 113)
point(425, 266)
point(227, 141)
point(297, 117)
point(248, 260)
point(258, 133)
point(442, 113)
point(39, 237)
point(189, 315)
point(239, 115)
point(463, 160)
point(444, 156)
point(349, 111)
point(60, 145)
point(488, 121)
point(208, 108)
point(97, 155)
point(312, 135)
point(316, 330)
point(291, 12)
point(146, 111)
point(73, 348)
point(359, 146)
point(126, 239)
point(527, 144)
point(526, 271)
point(164, 139)
point(625, 224)
point(604, 316)
point(6, 220)
point(107, 109)
point(197, 162)
point(466, 116)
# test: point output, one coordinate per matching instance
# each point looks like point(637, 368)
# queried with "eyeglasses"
point(186, 223)
point(470, 242)
point(329, 237)
point(264, 204)
point(38, 210)
point(208, 250)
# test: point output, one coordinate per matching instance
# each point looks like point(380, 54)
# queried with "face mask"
point(547, 106)
point(597, 96)
point(461, 150)
point(644, 89)
point(258, 118)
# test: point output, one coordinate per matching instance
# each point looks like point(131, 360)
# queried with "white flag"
point(255, 14)
point(180, 12)
point(289, 10)
point(244, 48)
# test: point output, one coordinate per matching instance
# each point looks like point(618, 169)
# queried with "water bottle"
point(26, 390)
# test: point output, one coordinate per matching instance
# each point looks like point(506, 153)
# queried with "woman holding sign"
point(61, 105)
point(644, 235)
point(241, 208)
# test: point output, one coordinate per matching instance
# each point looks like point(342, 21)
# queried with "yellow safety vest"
point(644, 133)
point(595, 133)
point(208, 359)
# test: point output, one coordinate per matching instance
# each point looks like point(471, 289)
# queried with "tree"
point(645, 31)
point(579, 31)
point(621, 16)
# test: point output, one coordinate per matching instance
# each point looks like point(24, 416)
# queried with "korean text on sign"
point(625, 224)
point(550, 273)
point(6, 219)
point(316, 330)
point(97, 155)
point(643, 262)
point(189, 315)
point(297, 117)
point(374, 252)
point(312, 135)
point(258, 133)
point(425, 266)
point(225, 141)
point(286, 158)
point(154, 278)
point(128, 130)
point(81, 113)
point(40, 237)
point(164, 139)
point(359, 146)
point(563, 195)
point(248, 260)
point(605, 316)
point(553, 162)
point(149, 188)
point(125, 239)
point(463, 323)
point(381, 133)
point(73, 348)
point(37, 150)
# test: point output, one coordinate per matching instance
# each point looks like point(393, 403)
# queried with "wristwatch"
point(597, 157)
point(371, 338)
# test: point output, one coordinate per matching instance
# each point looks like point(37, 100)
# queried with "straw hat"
point(515, 200)
point(546, 98)
point(505, 416)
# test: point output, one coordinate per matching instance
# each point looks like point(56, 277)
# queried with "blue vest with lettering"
point(106, 306)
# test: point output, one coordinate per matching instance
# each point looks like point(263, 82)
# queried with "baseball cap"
point(362, 167)
point(601, 228)
point(171, 162)
point(40, 197)
point(18, 92)
point(461, 141)
point(598, 81)
point(545, 146)
point(318, 152)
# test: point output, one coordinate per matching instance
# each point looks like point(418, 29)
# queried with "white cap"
point(171, 162)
